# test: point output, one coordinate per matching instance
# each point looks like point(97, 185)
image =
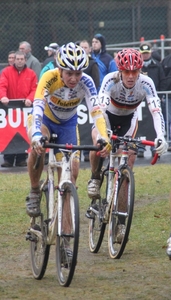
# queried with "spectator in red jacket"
point(17, 82)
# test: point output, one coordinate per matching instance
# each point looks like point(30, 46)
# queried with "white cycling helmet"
point(72, 57)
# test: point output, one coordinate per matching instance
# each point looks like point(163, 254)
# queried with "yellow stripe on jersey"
point(50, 81)
point(48, 113)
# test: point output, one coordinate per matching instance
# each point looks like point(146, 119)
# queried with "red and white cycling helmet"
point(72, 57)
point(129, 59)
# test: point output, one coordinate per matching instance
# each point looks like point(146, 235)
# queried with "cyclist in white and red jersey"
point(120, 94)
point(57, 97)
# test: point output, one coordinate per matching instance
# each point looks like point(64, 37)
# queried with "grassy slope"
point(143, 272)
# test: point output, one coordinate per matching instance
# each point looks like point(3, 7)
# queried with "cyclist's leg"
point(68, 133)
point(94, 182)
point(128, 126)
point(94, 159)
point(33, 200)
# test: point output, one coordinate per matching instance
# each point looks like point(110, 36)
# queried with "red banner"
point(13, 136)
point(13, 118)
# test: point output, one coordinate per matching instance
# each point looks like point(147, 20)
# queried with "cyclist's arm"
point(104, 93)
point(43, 90)
point(158, 120)
point(92, 101)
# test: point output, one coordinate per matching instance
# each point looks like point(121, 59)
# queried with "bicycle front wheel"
point(96, 225)
point(39, 250)
point(67, 242)
point(121, 214)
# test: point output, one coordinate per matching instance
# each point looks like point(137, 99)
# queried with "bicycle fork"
point(111, 189)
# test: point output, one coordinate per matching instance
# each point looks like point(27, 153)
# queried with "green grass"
point(143, 272)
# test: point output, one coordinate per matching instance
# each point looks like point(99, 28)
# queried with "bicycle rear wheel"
point(67, 242)
point(121, 214)
point(96, 225)
point(39, 250)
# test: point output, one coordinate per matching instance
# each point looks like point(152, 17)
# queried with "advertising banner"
point(13, 117)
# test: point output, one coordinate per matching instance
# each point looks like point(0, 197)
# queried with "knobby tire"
point(116, 249)
point(39, 250)
point(64, 264)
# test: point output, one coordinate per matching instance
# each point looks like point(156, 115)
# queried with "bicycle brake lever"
point(155, 158)
point(43, 140)
point(102, 144)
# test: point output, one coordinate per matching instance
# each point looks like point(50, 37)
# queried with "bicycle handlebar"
point(71, 147)
point(137, 141)
point(93, 148)
point(133, 140)
point(63, 146)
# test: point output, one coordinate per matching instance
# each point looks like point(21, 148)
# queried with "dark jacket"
point(155, 71)
point(93, 71)
point(104, 60)
point(166, 64)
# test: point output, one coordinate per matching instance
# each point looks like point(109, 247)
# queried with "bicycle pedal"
point(30, 238)
point(88, 214)
point(105, 218)
point(104, 202)
point(47, 221)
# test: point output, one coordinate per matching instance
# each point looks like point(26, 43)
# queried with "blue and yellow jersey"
point(59, 103)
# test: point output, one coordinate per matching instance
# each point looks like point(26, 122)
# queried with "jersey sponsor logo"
point(62, 103)
point(50, 82)
point(89, 84)
point(38, 122)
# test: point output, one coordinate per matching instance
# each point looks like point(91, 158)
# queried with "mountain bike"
point(116, 202)
point(58, 223)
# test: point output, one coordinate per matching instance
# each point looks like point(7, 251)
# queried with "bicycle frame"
point(58, 222)
point(53, 208)
point(113, 187)
point(108, 209)
point(65, 165)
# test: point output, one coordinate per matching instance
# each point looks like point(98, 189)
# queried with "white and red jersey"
point(121, 101)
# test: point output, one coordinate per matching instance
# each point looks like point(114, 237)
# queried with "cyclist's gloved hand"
point(36, 140)
point(160, 145)
point(106, 146)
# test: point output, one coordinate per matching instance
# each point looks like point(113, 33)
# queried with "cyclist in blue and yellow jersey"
point(57, 97)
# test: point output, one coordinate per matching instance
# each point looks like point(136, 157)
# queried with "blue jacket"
point(104, 60)
point(50, 66)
